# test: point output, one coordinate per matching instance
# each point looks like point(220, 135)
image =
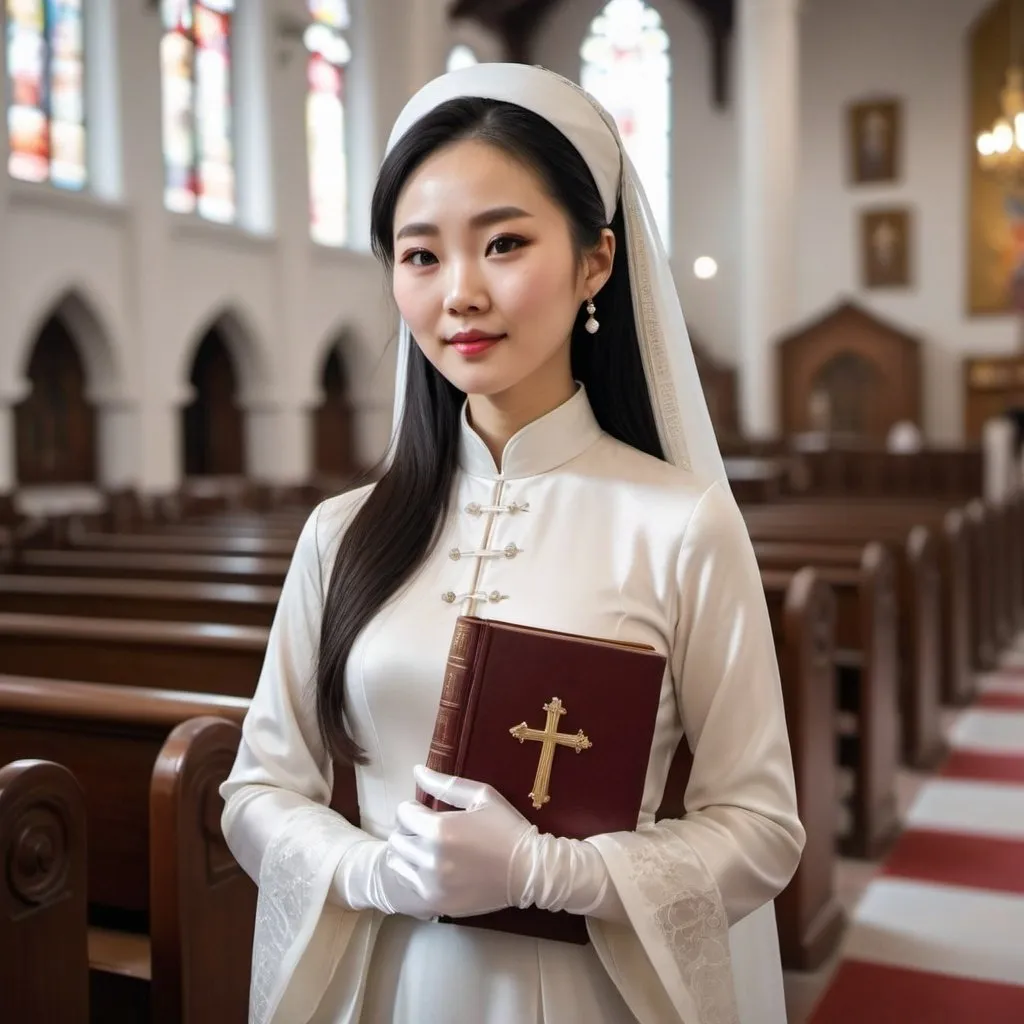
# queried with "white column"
point(159, 466)
point(429, 36)
point(119, 428)
point(8, 472)
point(279, 444)
point(768, 109)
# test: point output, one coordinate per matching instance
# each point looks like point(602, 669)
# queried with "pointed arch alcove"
point(213, 442)
point(55, 423)
point(849, 374)
point(69, 411)
point(334, 442)
point(224, 376)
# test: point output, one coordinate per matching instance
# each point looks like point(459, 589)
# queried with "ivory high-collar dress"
point(575, 532)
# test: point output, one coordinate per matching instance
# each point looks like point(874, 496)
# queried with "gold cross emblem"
point(549, 737)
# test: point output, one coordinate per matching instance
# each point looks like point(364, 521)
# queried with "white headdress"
point(680, 410)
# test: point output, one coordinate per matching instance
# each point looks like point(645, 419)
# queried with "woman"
point(553, 464)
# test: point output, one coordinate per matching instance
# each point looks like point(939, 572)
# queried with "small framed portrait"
point(885, 247)
point(875, 141)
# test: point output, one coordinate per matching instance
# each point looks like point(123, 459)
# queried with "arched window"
point(195, 71)
point(46, 112)
point(626, 66)
point(461, 56)
point(329, 55)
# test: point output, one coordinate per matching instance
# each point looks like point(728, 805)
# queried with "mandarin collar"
point(539, 447)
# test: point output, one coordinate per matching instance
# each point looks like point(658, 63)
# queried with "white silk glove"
point(363, 881)
point(487, 856)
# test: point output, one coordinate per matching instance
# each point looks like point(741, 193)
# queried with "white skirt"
point(431, 973)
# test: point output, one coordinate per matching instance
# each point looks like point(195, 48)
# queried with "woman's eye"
point(505, 244)
point(419, 258)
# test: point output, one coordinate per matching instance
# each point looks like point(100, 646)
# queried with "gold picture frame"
point(885, 242)
point(875, 130)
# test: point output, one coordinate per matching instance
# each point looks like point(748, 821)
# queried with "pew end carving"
point(803, 614)
point(922, 674)
point(202, 904)
point(42, 894)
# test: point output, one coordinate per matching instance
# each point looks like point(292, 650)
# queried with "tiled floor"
point(937, 932)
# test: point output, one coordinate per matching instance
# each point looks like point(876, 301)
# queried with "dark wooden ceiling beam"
point(516, 22)
point(718, 18)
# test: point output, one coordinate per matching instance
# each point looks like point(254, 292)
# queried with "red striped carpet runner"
point(938, 937)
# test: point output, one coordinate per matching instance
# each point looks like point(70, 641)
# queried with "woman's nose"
point(466, 291)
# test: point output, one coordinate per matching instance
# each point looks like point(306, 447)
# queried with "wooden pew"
point(110, 737)
point(150, 771)
point(851, 522)
point(128, 565)
point(866, 679)
point(44, 971)
point(150, 600)
point(950, 474)
point(1011, 549)
point(850, 569)
point(202, 905)
point(255, 529)
point(206, 658)
point(984, 559)
point(201, 543)
point(802, 611)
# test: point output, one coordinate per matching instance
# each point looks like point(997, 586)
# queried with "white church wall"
point(704, 208)
point(916, 50)
point(156, 280)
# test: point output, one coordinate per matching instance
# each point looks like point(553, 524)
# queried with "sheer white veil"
point(681, 412)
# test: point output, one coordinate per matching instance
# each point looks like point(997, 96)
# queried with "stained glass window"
point(329, 55)
point(626, 66)
point(195, 71)
point(461, 56)
point(46, 112)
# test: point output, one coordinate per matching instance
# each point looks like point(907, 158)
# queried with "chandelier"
point(1001, 148)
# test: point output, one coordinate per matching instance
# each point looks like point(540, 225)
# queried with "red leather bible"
point(560, 724)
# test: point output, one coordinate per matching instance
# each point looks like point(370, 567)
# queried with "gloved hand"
point(462, 862)
point(363, 881)
point(488, 856)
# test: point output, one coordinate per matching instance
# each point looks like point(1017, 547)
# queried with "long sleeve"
point(685, 882)
point(741, 810)
point(276, 818)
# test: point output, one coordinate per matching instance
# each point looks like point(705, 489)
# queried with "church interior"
point(197, 346)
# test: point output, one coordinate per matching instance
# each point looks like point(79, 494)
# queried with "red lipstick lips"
point(471, 343)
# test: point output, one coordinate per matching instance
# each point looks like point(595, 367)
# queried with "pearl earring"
point(591, 325)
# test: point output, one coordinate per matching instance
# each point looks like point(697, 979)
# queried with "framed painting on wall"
point(994, 255)
point(875, 141)
point(885, 248)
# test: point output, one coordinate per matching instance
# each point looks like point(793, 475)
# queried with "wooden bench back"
point(202, 904)
point(802, 611)
point(44, 966)
point(237, 604)
point(129, 565)
point(206, 658)
point(109, 737)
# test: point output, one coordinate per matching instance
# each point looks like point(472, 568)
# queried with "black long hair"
point(398, 523)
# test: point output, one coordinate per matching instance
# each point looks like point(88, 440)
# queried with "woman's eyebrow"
point(485, 219)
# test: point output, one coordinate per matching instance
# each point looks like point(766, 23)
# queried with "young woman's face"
point(485, 273)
